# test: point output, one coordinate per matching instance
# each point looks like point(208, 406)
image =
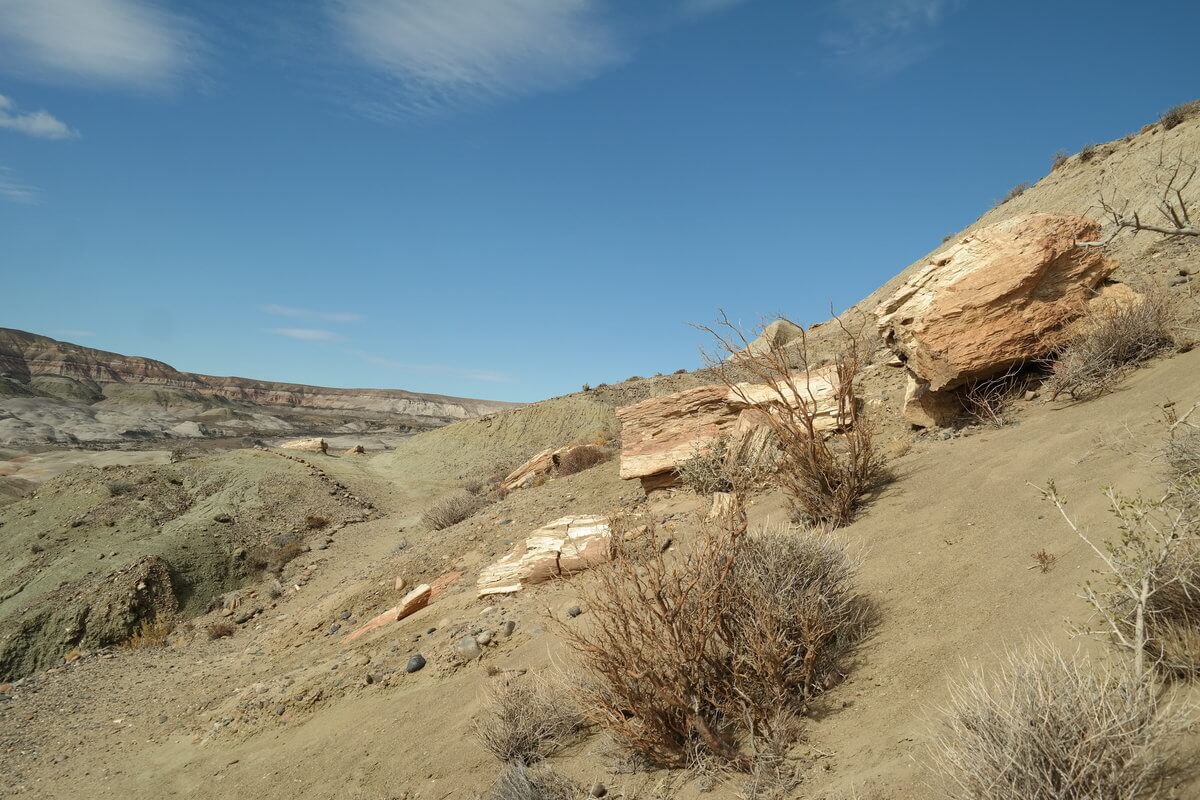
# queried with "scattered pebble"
point(344, 615)
point(415, 664)
point(598, 790)
point(334, 628)
point(484, 638)
point(574, 611)
point(508, 627)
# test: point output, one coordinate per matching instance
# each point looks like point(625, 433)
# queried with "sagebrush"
point(523, 721)
point(452, 509)
point(577, 459)
point(1043, 727)
point(519, 782)
point(1112, 341)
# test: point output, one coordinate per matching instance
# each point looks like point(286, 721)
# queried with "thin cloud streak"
point(14, 190)
point(308, 334)
point(489, 376)
point(434, 56)
point(700, 8)
point(39, 124)
point(305, 313)
point(115, 42)
point(878, 38)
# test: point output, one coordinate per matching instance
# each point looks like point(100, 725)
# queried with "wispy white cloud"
point(118, 42)
point(882, 37)
point(699, 8)
point(438, 55)
point(41, 124)
point(486, 375)
point(306, 313)
point(308, 334)
point(11, 188)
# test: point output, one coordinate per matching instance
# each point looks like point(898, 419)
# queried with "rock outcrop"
point(659, 434)
point(997, 298)
point(559, 548)
point(412, 602)
point(541, 465)
point(306, 445)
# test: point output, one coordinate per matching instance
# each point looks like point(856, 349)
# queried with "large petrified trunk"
point(659, 434)
point(558, 548)
point(999, 297)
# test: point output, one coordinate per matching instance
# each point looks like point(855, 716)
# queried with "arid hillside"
point(833, 565)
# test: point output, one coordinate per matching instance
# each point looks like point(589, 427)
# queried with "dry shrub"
point(1183, 458)
point(150, 634)
point(693, 654)
point(1015, 192)
point(1060, 158)
point(519, 782)
point(1087, 153)
point(1111, 342)
point(577, 459)
point(118, 488)
point(524, 722)
point(800, 617)
point(722, 467)
point(273, 557)
point(315, 522)
point(827, 479)
point(1148, 603)
point(452, 509)
point(1180, 114)
point(1047, 728)
point(988, 401)
point(219, 630)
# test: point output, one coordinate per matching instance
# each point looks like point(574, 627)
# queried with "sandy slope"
point(949, 545)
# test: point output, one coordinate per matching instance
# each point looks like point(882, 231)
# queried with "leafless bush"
point(1015, 192)
point(1148, 604)
point(1087, 153)
point(524, 722)
point(1111, 342)
point(452, 509)
point(118, 488)
point(1047, 728)
point(315, 522)
point(798, 618)
point(828, 462)
point(698, 652)
point(577, 459)
point(519, 782)
point(1177, 115)
point(1183, 454)
point(219, 630)
point(987, 401)
point(720, 467)
point(1060, 158)
point(272, 557)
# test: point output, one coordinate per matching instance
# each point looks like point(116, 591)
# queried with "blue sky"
point(510, 198)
